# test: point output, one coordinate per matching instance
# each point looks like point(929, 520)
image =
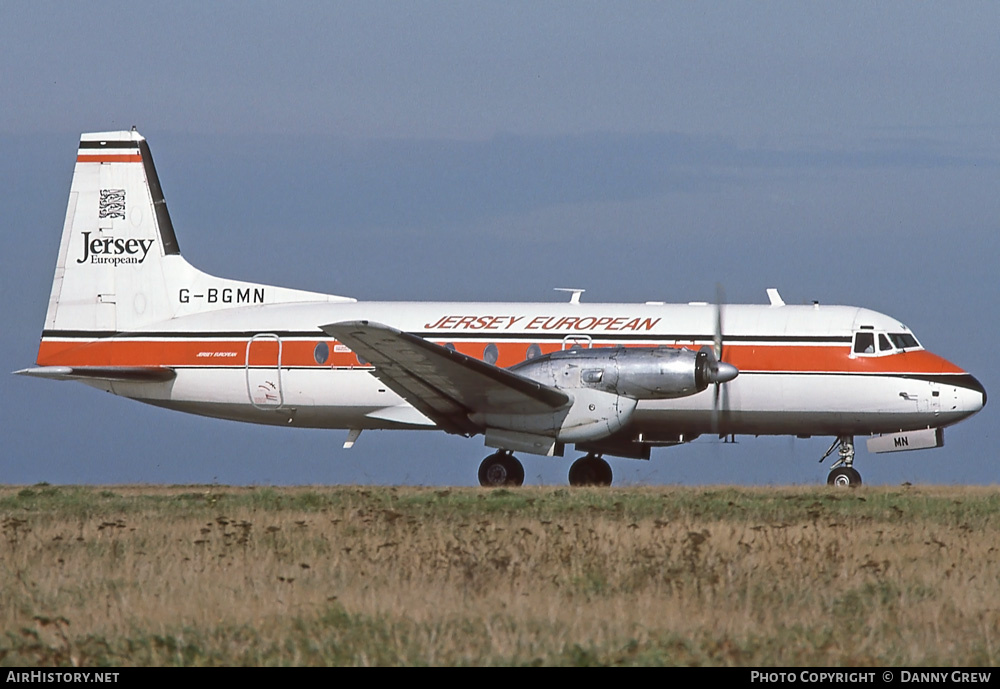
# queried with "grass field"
point(213, 575)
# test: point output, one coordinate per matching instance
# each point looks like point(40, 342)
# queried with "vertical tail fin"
point(120, 267)
point(115, 240)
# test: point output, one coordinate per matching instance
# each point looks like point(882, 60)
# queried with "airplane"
point(129, 315)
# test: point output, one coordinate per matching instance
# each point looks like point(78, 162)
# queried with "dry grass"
point(352, 576)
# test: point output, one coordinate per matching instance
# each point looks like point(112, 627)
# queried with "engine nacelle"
point(591, 415)
point(640, 373)
point(605, 386)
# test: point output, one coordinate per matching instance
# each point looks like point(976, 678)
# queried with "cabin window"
point(534, 351)
point(321, 353)
point(491, 353)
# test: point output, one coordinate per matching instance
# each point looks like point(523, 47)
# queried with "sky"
point(842, 152)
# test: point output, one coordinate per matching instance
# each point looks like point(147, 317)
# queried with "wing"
point(441, 383)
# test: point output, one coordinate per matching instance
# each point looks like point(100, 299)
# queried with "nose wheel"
point(501, 469)
point(844, 477)
point(590, 470)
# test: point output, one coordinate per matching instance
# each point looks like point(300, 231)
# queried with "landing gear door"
point(263, 369)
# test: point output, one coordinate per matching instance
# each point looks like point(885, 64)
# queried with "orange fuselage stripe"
point(301, 353)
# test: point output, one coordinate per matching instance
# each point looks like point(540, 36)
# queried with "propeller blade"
point(720, 301)
point(724, 413)
point(718, 371)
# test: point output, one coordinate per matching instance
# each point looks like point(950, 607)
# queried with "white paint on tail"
point(119, 266)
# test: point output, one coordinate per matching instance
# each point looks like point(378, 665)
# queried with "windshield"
point(904, 340)
point(868, 342)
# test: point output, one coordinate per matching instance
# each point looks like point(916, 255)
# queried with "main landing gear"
point(843, 473)
point(590, 470)
point(501, 469)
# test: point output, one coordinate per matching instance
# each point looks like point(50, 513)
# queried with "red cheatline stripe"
point(300, 353)
point(105, 158)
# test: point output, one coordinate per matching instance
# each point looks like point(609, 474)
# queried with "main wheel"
point(590, 471)
point(501, 469)
point(844, 477)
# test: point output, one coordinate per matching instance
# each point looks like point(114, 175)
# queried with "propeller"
point(721, 372)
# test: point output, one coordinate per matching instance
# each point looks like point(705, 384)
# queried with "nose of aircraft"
point(979, 386)
point(972, 394)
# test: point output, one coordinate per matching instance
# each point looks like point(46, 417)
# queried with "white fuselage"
point(798, 373)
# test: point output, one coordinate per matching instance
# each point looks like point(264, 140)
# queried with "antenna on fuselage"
point(576, 292)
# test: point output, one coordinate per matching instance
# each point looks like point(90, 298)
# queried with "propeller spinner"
point(713, 371)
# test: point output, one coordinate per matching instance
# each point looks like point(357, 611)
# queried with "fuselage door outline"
point(264, 379)
point(577, 342)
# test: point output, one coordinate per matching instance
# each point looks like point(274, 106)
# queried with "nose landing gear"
point(843, 473)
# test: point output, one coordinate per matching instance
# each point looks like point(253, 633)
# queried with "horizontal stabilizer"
point(444, 385)
point(138, 374)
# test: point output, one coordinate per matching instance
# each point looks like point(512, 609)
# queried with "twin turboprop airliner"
point(128, 315)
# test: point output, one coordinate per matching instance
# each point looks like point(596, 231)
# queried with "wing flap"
point(441, 383)
point(402, 413)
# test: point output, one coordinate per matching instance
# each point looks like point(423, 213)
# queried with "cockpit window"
point(904, 340)
point(882, 343)
point(864, 343)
